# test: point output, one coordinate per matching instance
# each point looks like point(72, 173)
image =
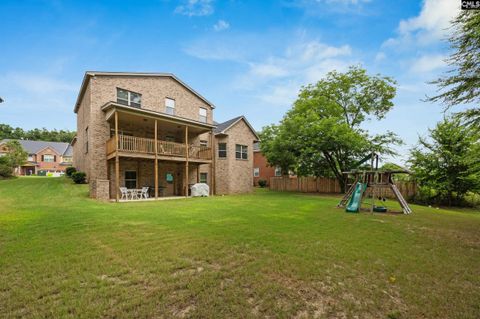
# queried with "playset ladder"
point(347, 195)
point(403, 202)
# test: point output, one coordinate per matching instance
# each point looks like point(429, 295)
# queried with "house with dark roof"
point(137, 130)
point(43, 157)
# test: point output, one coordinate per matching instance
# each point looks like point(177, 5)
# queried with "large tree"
point(16, 155)
point(322, 135)
point(447, 162)
point(461, 84)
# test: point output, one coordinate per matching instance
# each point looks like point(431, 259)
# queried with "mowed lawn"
point(277, 255)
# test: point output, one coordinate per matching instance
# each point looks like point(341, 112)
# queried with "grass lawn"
point(262, 255)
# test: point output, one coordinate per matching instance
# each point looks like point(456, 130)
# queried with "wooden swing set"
point(369, 184)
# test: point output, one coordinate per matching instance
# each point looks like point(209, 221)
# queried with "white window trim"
point(201, 117)
point(278, 171)
point(243, 150)
point(45, 158)
point(256, 172)
point(225, 150)
point(167, 107)
point(129, 97)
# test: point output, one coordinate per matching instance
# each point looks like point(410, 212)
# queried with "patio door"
point(131, 179)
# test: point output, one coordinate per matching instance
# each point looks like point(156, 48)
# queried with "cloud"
point(195, 8)
point(429, 26)
point(221, 25)
point(318, 7)
point(428, 63)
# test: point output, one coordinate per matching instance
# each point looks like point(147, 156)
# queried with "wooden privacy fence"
point(331, 186)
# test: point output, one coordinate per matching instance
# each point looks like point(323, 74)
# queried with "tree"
point(461, 84)
point(16, 155)
point(321, 134)
point(447, 163)
point(6, 131)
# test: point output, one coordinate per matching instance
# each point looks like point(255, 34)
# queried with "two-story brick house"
point(145, 130)
point(43, 157)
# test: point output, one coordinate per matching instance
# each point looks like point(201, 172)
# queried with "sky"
point(246, 57)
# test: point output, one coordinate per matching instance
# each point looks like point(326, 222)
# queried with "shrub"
point(70, 170)
point(262, 183)
point(79, 177)
point(5, 168)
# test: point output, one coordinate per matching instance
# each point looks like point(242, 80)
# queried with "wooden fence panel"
point(331, 186)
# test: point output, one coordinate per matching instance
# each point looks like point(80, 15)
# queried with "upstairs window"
point(278, 171)
point(222, 150)
point(241, 151)
point(170, 106)
point(48, 158)
point(202, 115)
point(31, 158)
point(129, 98)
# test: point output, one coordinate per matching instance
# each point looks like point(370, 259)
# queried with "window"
point(170, 138)
point(222, 150)
point(130, 179)
point(278, 171)
point(203, 143)
point(170, 106)
point(129, 98)
point(31, 158)
point(203, 115)
point(203, 177)
point(48, 158)
point(86, 140)
point(67, 159)
point(241, 151)
point(256, 171)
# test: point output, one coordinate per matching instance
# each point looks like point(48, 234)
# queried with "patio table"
point(134, 192)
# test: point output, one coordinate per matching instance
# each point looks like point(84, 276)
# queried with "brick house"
point(152, 130)
point(43, 157)
point(261, 168)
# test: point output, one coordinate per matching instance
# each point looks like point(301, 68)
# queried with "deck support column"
point(198, 173)
point(186, 161)
point(117, 161)
point(212, 165)
point(156, 160)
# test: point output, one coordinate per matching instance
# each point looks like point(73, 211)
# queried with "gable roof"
point(33, 147)
point(225, 126)
point(90, 74)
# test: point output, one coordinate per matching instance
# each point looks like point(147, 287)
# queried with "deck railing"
point(133, 144)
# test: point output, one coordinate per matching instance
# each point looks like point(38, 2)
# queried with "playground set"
point(368, 184)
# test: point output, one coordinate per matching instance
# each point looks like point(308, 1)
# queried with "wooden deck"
point(140, 147)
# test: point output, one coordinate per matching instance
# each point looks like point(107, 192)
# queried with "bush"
point(79, 177)
point(70, 170)
point(262, 183)
point(5, 168)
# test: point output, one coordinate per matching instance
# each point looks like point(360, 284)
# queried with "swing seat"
point(380, 209)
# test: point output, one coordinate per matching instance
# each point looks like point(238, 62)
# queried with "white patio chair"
point(124, 192)
point(144, 193)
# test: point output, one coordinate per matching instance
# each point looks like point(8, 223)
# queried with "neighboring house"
point(152, 130)
point(261, 168)
point(43, 157)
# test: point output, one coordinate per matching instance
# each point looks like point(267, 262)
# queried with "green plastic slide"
point(354, 203)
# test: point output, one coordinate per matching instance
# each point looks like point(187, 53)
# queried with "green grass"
point(262, 255)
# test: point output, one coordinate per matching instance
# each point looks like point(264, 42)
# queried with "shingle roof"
point(32, 147)
point(223, 126)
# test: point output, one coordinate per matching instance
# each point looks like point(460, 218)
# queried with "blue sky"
point(247, 57)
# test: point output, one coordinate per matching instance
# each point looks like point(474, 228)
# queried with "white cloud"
point(195, 8)
point(221, 25)
point(319, 7)
point(429, 26)
point(428, 63)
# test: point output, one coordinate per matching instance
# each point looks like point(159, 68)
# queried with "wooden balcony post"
point(156, 160)
point(212, 165)
point(198, 173)
point(186, 161)
point(117, 161)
